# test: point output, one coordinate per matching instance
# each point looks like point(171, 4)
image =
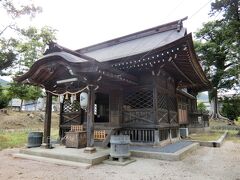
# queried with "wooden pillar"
point(90, 117)
point(47, 122)
point(60, 120)
point(156, 137)
point(170, 134)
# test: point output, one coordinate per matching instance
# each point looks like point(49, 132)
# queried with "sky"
point(85, 22)
point(80, 23)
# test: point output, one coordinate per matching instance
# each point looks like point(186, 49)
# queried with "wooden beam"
point(90, 117)
point(47, 122)
point(182, 73)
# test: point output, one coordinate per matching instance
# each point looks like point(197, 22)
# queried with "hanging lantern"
point(84, 100)
point(61, 98)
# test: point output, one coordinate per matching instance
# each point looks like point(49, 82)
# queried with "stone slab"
point(69, 154)
point(51, 160)
point(170, 156)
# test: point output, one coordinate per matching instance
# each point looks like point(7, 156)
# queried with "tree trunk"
point(35, 105)
point(20, 109)
point(215, 114)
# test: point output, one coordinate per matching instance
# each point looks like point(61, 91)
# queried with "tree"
point(32, 46)
point(24, 92)
point(8, 45)
point(23, 49)
point(218, 48)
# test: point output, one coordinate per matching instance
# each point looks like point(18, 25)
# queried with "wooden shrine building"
point(143, 84)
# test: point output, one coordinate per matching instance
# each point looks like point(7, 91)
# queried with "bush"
point(201, 107)
point(4, 100)
point(231, 107)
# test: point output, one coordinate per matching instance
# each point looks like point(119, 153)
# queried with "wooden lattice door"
point(166, 108)
point(71, 114)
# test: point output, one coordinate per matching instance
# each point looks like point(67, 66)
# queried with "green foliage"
point(218, 46)
point(4, 99)
point(201, 107)
point(33, 44)
point(27, 45)
point(231, 107)
point(8, 53)
point(24, 91)
point(217, 55)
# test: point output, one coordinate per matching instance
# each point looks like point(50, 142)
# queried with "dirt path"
point(205, 163)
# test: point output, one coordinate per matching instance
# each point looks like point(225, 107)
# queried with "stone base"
point(119, 163)
point(46, 146)
point(90, 150)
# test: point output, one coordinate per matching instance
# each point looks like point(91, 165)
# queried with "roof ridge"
point(147, 32)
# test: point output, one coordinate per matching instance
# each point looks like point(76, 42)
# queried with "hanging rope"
point(67, 92)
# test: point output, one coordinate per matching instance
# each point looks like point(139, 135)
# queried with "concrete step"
point(51, 160)
point(68, 154)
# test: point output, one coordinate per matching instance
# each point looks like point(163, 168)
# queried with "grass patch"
point(237, 122)
point(54, 133)
point(234, 136)
point(210, 136)
point(13, 139)
point(217, 122)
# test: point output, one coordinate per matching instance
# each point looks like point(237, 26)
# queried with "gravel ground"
point(205, 163)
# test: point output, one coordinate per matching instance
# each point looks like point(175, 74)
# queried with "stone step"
point(51, 160)
point(68, 154)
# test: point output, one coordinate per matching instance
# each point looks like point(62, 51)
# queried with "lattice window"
point(71, 107)
point(140, 135)
point(162, 101)
point(139, 99)
point(162, 116)
point(172, 103)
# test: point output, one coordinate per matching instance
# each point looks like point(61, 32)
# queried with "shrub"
point(231, 107)
point(201, 107)
point(4, 100)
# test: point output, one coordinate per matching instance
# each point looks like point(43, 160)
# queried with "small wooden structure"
point(143, 84)
point(76, 137)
